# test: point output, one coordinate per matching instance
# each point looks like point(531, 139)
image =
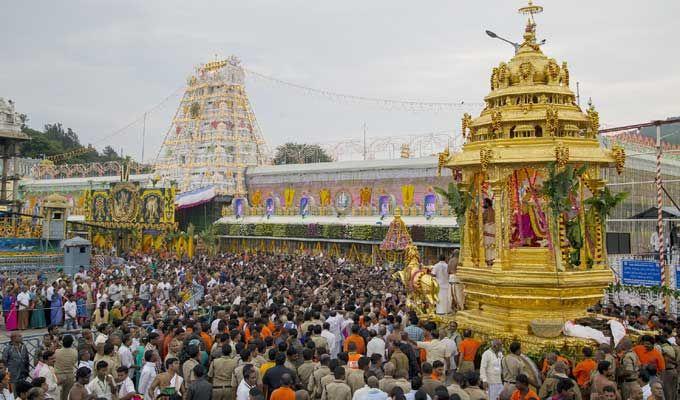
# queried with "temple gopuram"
point(530, 182)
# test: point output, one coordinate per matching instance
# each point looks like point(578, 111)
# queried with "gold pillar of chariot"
point(530, 178)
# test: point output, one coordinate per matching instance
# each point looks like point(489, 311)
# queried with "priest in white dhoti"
point(441, 273)
point(457, 294)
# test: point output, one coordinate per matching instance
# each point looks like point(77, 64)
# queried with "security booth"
point(77, 253)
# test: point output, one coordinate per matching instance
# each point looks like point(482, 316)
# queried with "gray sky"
point(95, 66)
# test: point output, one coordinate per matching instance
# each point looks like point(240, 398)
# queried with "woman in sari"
point(11, 320)
point(38, 314)
point(101, 315)
point(57, 312)
point(6, 303)
point(81, 306)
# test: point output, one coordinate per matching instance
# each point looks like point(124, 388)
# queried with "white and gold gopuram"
point(214, 135)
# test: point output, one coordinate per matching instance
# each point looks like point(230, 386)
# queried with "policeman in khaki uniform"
point(337, 389)
point(670, 375)
point(512, 365)
point(314, 385)
point(220, 373)
point(307, 367)
point(629, 369)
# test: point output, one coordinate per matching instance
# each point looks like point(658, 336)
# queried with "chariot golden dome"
point(530, 103)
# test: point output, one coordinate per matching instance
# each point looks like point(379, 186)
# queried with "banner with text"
point(641, 272)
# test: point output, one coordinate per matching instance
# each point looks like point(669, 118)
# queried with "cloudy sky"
point(97, 66)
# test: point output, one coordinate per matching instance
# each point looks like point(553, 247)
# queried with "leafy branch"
point(644, 290)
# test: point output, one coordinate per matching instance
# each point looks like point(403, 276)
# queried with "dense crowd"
point(281, 327)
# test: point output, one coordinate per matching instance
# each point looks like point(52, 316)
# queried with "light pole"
point(515, 45)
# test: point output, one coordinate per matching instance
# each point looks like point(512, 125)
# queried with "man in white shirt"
point(148, 373)
point(441, 272)
point(23, 299)
point(248, 382)
point(45, 369)
point(70, 313)
point(335, 327)
point(102, 385)
point(490, 369)
point(166, 288)
point(49, 293)
point(376, 345)
point(124, 386)
point(437, 350)
point(82, 274)
point(124, 352)
point(115, 292)
point(145, 293)
point(214, 326)
point(370, 391)
point(331, 339)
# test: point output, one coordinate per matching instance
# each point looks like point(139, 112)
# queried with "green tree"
point(110, 154)
point(300, 153)
point(55, 139)
point(458, 200)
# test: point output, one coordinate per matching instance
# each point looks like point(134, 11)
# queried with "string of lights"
point(393, 104)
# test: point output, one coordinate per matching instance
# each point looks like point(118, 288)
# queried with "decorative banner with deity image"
point(343, 201)
point(269, 207)
point(239, 207)
point(430, 203)
point(384, 205)
point(304, 205)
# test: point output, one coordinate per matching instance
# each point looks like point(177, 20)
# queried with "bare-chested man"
point(167, 379)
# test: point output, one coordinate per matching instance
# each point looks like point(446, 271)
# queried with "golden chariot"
point(534, 201)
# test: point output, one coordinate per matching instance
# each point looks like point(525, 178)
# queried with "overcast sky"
point(96, 66)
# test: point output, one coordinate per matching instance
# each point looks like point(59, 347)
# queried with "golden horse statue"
point(422, 288)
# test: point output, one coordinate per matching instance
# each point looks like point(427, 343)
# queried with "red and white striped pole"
point(659, 217)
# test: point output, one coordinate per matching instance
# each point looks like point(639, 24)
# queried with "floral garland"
point(644, 290)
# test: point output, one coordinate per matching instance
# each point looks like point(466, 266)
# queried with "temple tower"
point(11, 138)
point(214, 135)
point(533, 250)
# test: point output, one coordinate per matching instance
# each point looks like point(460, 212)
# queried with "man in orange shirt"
point(522, 391)
point(550, 360)
point(352, 356)
point(584, 369)
point(649, 355)
point(357, 339)
point(467, 350)
point(284, 392)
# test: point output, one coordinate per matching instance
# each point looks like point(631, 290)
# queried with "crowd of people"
point(283, 327)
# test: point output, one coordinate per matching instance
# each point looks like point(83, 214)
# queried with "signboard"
point(677, 275)
point(640, 272)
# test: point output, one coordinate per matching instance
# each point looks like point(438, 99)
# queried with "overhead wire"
point(412, 105)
